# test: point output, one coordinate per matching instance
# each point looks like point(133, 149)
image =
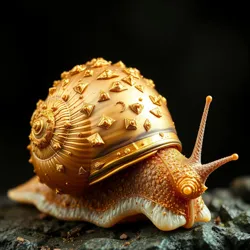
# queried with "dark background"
point(190, 49)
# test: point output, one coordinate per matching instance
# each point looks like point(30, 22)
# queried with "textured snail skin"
point(143, 188)
point(158, 181)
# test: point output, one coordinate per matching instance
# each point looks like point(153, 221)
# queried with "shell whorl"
point(99, 118)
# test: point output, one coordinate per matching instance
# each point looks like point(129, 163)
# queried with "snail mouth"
point(191, 212)
point(64, 207)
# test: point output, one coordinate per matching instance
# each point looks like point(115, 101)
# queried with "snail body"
point(104, 148)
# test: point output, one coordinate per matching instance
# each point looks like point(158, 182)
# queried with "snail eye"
point(187, 190)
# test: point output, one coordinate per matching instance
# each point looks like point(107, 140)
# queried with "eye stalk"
point(204, 170)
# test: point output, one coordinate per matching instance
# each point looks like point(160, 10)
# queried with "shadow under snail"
point(105, 149)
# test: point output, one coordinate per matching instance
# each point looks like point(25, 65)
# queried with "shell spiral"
point(96, 120)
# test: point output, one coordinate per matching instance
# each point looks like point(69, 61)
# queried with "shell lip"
point(131, 154)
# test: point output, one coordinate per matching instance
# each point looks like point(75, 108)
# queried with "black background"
point(190, 49)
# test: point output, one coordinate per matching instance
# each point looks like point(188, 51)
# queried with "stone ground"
point(23, 227)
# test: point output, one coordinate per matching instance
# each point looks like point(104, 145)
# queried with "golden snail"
point(105, 149)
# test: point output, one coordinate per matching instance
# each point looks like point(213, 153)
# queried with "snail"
point(105, 150)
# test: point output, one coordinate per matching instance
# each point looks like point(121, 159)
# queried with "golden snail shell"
point(101, 118)
point(98, 119)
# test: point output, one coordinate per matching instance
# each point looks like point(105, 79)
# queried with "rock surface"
point(241, 187)
point(23, 227)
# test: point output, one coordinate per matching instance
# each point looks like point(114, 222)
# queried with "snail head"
point(192, 184)
point(189, 175)
point(189, 185)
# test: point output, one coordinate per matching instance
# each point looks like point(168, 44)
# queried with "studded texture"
point(89, 114)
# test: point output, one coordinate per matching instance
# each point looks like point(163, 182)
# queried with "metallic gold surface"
point(103, 96)
point(87, 109)
point(132, 153)
point(88, 72)
point(147, 125)
point(130, 124)
point(80, 87)
point(139, 87)
point(65, 97)
point(117, 87)
point(156, 99)
point(107, 74)
point(97, 119)
point(129, 80)
point(95, 140)
point(156, 112)
point(136, 107)
point(106, 122)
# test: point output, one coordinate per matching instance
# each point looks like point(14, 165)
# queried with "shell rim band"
point(138, 151)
